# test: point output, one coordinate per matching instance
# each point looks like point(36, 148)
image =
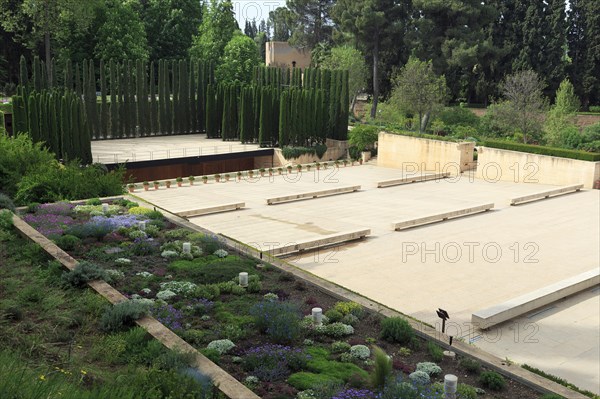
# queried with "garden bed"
point(263, 334)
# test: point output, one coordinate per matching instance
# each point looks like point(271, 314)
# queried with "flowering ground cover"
point(263, 334)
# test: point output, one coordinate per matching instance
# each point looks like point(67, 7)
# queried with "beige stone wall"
point(494, 164)
point(281, 54)
point(414, 154)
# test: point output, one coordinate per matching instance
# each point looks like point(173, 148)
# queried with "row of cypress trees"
point(56, 117)
point(280, 107)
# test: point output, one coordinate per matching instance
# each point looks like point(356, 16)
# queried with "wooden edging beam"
point(211, 209)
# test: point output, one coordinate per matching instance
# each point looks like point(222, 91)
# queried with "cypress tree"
point(65, 129)
point(263, 131)
point(2, 125)
point(344, 107)
point(43, 100)
point(283, 119)
point(126, 100)
point(75, 129)
point(161, 99)
point(183, 97)
point(246, 115)
point(139, 89)
point(256, 103)
point(23, 73)
point(37, 79)
point(53, 73)
point(114, 106)
point(43, 76)
point(193, 104)
point(33, 118)
point(132, 99)
point(85, 149)
point(104, 105)
point(201, 92)
point(68, 83)
point(168, 100)
point(55, 123)
point(176, 106)
point(211, 129)
point(153, 105)
point(77, 80)
point(92, 118)
point(225, 117)
point(220, 97)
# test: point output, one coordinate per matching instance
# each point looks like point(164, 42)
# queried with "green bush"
point(93, 201)
point(83, 273)
point(434, 350)
point(54, 182)
point(213, 271)
point(122, 315)
point(535, 149)
point(334, 315)
point(396, 330)
point(304, 380)
point(466, 391)
point(470, 365)
point(346, 308)
point(320, 364)
point(6, 203)
point(19, 156)
point(401, 132)
point(67, 242)
point(340, 347)
point(492, 380)
point(212, 354)
point(363, 137)
point(458, 116)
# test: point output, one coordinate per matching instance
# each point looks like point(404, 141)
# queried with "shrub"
point(361, 352)
point(6, 203)
point(492, 380)
point(430, 368)
point(67, 242)
point(336, 330)
point(279, 320)
point(93, 201)
point(470, 365)
point(212, 354)
point(350, 319)
point(140, 210)
point(334, 315)
point(122, 315)
point(222, 346)
point(434, 350)
point(354, 393)
point(83, 273)
point(363, 137)
point(396, 330)
point(221, 253)
point(466, 391)
point(90, 230)
point(419, 378)
point(346, 308)
point(273, 362)
point(340, 347)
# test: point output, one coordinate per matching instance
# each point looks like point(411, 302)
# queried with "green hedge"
point(296, 152)
point(536, 149)
point(560, 381)
point(421, 135)
point(6, 108)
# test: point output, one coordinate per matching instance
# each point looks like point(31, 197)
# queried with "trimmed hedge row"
point(422, 135)
point(536, 149)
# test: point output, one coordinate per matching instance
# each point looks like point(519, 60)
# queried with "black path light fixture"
point(442, 314)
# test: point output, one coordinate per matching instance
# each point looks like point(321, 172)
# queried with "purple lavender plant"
point(169, 316)
point(272, 362)
point(49, 224)
point(354, 393)
point(57, 208)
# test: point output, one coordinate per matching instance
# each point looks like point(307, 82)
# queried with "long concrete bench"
point(516, 307)
point(312, 194)
point(211, 209)
point(546, 194)
point(412, 179)
point(439, 217)
point(320, 242)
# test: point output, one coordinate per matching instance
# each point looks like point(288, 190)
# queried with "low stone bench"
point(320, 242)
point(412, 179)
point(312, 194)
point(211, 209)
point(546, 194)
point(516, 307)
point(439, 217)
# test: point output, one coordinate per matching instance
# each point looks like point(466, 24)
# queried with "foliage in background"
point(240, 56)
point(363, 137)
point(418, 90)
point(216, 30)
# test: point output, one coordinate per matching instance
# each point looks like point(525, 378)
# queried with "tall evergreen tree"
point(114, 105)
point(153, 105)
point(211, 120)
point(103, 99)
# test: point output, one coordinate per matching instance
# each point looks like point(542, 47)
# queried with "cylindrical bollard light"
point(187, 248)
point(450, 384)
point(317, 315)
point(104, 208)
point(243, 279)
point(142, 225)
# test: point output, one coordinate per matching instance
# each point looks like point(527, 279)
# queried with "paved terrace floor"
point(163, 147)
point(460, 265)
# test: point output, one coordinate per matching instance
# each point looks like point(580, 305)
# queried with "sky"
point(249, 9)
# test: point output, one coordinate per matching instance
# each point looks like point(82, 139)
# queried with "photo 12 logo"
point(248, 10)
point(453, 252)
